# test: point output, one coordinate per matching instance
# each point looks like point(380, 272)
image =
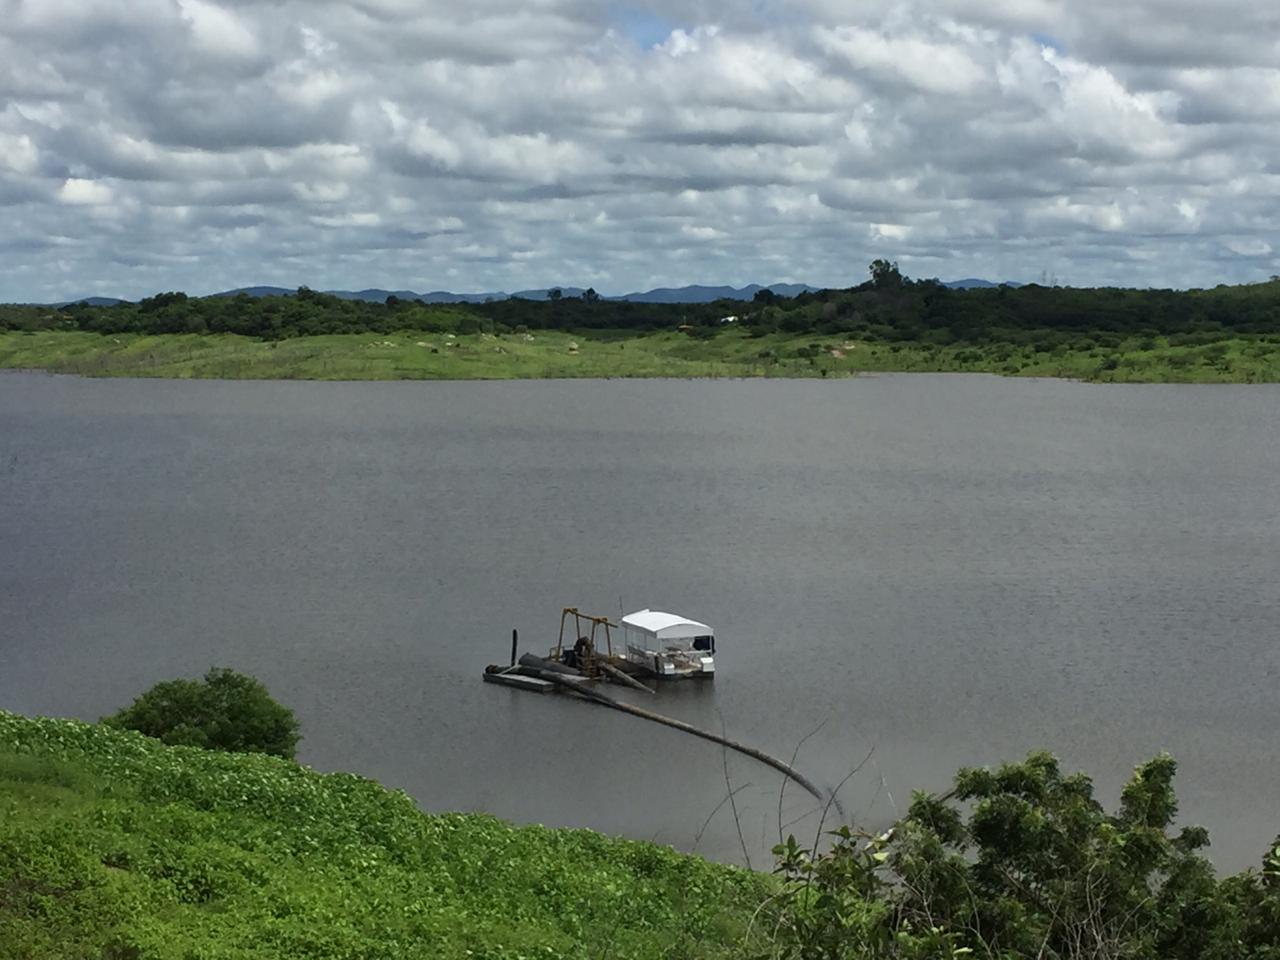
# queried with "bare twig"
point(834, 800)
point(733, 804)
point(791, 823)
point(707, 822)
point(782, 789)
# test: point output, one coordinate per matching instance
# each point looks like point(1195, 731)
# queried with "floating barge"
point(655, 645)
point(659, 645)
point(507, 677)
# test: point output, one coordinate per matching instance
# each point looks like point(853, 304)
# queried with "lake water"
point(933, 570)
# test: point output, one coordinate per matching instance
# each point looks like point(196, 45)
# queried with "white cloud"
point(218, 31)
point(77, 192)
point(932, 66)
point(702, 232)
point(519, 143)
point(1096, 109)
point(353, 219)
point(1249, 246)
point(18, 152)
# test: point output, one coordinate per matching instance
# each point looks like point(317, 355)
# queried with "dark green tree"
point(1023, 862)
point(885, 275)
point(224, 711)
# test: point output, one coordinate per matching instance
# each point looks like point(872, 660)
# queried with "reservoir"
point(914, 573)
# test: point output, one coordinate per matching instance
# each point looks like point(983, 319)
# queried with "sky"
point(200, 145)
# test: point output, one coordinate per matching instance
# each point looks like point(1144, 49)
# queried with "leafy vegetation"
point(1033, 867)
point(1228, 334)
point(224, 711)
point(114, 846)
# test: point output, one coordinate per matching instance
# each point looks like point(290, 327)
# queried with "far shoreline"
point(413, 355)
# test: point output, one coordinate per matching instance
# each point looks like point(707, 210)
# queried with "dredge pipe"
point(624, 678)
point(583, 687)
point(531, 661)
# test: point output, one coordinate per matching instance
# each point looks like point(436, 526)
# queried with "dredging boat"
point(656, 645)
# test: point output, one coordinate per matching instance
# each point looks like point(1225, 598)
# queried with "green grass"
point(114, 846)
point(414, 355)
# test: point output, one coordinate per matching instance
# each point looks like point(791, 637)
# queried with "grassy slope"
point(115, 846)
point(415, 355)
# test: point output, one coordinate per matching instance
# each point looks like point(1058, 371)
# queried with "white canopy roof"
point(666, 626)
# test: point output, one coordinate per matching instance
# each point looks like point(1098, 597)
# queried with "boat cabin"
point(668, 646)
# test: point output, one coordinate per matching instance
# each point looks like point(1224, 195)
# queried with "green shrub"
point(225, 711)
point(1023, 862)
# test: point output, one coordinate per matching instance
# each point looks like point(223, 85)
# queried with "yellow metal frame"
point(596, 623)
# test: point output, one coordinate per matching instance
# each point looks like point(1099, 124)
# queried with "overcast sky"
point(474, 145)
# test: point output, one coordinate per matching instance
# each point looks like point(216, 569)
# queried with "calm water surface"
point(935, 571)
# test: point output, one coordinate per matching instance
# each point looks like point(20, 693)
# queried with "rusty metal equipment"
point(587, 656)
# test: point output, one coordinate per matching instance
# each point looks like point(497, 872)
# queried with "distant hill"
point(91, 301)
point(545, 292)
point(701, 294)
point(694, 293)
point(436, 296)
point(256, 292)
point(974, 284)
point(373, 296)
point(690, 294)
point(444, 296)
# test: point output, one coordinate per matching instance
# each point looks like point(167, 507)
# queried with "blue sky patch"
point(643, 27)
point(1053, 43)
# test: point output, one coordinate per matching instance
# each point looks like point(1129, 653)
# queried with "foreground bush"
point(226, 711)
point(1030, 867)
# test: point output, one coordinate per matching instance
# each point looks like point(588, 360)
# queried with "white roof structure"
point(666, 626)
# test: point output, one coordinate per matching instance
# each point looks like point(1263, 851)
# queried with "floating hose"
point(533, 666)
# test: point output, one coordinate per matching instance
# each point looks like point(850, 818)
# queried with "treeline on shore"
point(888, 308)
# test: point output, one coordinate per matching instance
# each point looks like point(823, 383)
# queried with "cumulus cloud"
point(502, 144)
point(219, 32)
point(77, 192)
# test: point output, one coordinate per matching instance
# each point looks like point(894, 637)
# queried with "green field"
point(116, 847)
point(415, 355)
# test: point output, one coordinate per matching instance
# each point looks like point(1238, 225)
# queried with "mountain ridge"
point(691, 293)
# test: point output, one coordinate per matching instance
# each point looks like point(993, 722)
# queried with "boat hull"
point(657, 667)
